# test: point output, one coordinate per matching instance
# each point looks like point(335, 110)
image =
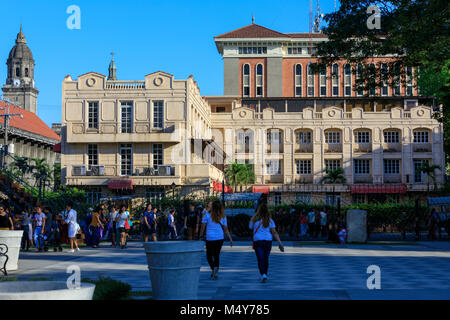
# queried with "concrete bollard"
point(13, 239)
point(356, 226)
point(174, 268)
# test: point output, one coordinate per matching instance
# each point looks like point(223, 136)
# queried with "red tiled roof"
point(257, 31)
point(30, 122)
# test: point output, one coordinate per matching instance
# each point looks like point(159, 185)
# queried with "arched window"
point(259, 80)
point(17, 72)
point(359, 75)
point(347, 80)
point(323, 81)
point(409, 81)
point(372, 77)
point(246, 80)
point(298, 80)
point(396, 79)
point(26, 72)
point(335, 80)
point(310, 81)
point(384, 79)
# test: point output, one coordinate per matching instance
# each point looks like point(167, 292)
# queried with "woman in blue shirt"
point(215, 223)
point(264, 230)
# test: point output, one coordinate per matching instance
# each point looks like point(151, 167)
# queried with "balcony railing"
point(422, 147)
point(125, 85)
point(333, 148)
point(304, 179)
point(244, 148)
point(361, 178)
point(274, 148)
point(273, 179)
point(392, 147)
point(362, 147)
point(392, 178)
point(303, 148)
point(106, 127)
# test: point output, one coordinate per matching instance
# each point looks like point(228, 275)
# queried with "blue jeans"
point(38, 237)
point(95, 238)
point(262, 250)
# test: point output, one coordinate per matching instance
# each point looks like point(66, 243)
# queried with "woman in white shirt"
point(264, 230)
point(121, 218)
point(71, 220)
point(215, 223)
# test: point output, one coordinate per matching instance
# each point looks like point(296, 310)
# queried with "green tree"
point(238, 174)
point(248, 175)
point(334, 177)
point(413, 33)
point(429, 170)
point(22, 166)
point(41, 173)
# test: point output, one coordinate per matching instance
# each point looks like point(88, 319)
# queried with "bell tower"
point(20, 87)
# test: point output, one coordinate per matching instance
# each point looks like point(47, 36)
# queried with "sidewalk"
point(303, 272)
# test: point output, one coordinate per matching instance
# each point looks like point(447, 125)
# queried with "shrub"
point(110, 289)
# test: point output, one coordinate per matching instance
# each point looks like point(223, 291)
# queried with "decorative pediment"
point(159, 80)
point(91, 81)
point(243, 113)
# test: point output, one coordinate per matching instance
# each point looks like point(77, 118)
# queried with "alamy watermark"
point(74, 20)
point(374, 20)
point(74, 280)
point(374, 280)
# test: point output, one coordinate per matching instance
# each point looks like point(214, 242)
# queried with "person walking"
point(121, 219)
point(191, 222)
point(303, 225)
point(39, 220)
point(25, 226)
point(264, 230)
point(171, 225)
point(433, 220)
point(323, 222)
point(74, 227)
point(215, 223)
point(112, 225)
point(95, 226)
point(311, 221)
point(149, 223)
point(6, 222)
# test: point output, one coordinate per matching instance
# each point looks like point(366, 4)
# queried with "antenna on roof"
point(253, 18)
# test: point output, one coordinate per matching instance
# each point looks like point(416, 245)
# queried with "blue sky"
point(173, 36)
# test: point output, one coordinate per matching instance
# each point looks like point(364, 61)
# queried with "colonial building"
point(31, 137)
point(275, 114)
point(292, 124)
point(147, 137)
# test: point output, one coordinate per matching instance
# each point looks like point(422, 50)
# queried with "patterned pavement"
point(302, 272)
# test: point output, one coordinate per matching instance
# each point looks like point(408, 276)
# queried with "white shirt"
point(71, 217)
point(262, 233)
point(122, 218)
point(323, 218)
point(214, 230)
point(171, 220)
point(311, 217)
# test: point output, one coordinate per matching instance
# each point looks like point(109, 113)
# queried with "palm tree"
point(41, 172)
point(248, 175)
point(22, 165)
point(233, 174)
point(429, 169)
point(334, 177)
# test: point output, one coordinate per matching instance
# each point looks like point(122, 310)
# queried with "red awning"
point(120, 184)
point(217, 186)
point(364, 189)
point(57, 148)
point(261, 189)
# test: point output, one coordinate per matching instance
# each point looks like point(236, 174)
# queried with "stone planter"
point(13, 239)
point(44, 290)
point(174, 268)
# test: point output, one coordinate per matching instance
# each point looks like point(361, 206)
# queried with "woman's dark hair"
point(262, 213)
point(217, 211)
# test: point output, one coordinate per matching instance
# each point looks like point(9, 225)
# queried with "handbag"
point(127, 225)
point(253, 242)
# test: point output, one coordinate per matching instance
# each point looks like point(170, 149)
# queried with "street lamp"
point(173, 185)
point(6, 116)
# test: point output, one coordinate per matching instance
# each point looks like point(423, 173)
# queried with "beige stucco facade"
point(164, 111)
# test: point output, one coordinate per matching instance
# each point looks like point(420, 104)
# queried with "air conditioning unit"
point(97, 170)
point(79, 170)
point(164, 170)
point(149, 171)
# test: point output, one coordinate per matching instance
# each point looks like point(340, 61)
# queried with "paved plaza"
point(303, 272)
